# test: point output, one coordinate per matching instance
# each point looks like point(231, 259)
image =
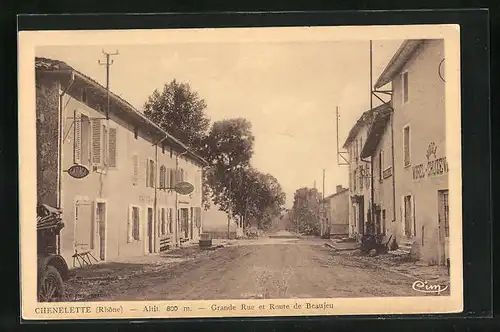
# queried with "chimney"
point(339, 188)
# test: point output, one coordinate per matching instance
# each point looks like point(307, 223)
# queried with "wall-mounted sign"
point(433, 167)
point(78, 171)
point(387, 172)
point(184, 188)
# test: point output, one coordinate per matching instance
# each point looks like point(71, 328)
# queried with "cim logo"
point(426, 287)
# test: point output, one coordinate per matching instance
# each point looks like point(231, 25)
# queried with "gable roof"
point(365, 119)
point(398, 60)
point(56, 66)
point(376, 131)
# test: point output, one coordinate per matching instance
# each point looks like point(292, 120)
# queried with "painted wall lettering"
point(433, 167)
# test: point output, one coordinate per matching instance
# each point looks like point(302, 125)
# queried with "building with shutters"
point(420, 169)
point(125, 205)
point(360, 186)
point(378, 148)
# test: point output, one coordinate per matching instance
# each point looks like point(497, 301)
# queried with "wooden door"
point(150, 230)
point(101, 229)
point(408, 216)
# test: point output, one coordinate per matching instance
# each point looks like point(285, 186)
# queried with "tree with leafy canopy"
point(306, 210)
point(181, 112)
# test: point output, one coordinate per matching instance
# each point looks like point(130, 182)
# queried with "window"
point(368, 176)
point(136, 132)
point(406, 146)
point(356, 150)
point(444, 211)
point(404, 85)
point(360, 146)
point(84, 96)
point(163, 222)
point(162, 177)
point(112, 147)
point(354, 180)
point(81, 147)
point(96, 142)
point(361, 177)
point(135, 170)
point(150, 173)
point(170, 220)
point(380, 166)
point(350, 181)
point(163, 148)
point(134, 229)
point(105, 145)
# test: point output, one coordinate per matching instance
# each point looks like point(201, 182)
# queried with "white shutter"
point(96, 142)
point(112, 147)
point(130, 223)
point(77, 144)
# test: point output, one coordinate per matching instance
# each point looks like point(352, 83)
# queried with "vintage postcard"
point(240, 172)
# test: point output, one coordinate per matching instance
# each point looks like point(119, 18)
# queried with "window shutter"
point(147, 172)
point(168, 179)
point(198, 217)
point(135, 170)
point(77, 144)
point(112, 147)
point(158, 223)
point(139, 226)
point(96, 142)
point(130, 223)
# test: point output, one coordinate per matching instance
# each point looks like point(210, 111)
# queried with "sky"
point(289, 91)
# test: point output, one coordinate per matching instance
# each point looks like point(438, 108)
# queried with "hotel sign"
point(433, 167)
point(78, 171)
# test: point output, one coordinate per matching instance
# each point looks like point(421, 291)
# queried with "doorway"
point(101, 229)
point(361, 215)
point(191, 219)
point(150, 231)
point(408, 216)
point(443, 225)
point(83, 226)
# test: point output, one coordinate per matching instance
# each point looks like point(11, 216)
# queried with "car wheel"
point(51, 286)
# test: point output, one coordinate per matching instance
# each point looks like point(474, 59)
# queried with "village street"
point(263, 268)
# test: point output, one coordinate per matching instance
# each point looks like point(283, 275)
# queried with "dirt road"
point(270, 268)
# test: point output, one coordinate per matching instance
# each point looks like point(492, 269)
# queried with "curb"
point(331, 246)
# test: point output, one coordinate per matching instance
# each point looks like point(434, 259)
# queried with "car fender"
point(56, 261)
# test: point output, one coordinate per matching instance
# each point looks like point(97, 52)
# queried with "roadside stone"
point(372, 253)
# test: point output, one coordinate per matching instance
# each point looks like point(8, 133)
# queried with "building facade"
point(360, 183)
point(379, 149)
point(126, 203)
point(420, 168)
point(337, 212)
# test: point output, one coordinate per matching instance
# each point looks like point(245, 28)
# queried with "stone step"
point(399, 252)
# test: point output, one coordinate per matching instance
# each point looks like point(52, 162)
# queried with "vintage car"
point(52, 268)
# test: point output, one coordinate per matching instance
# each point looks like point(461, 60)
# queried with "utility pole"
point(108, 63)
